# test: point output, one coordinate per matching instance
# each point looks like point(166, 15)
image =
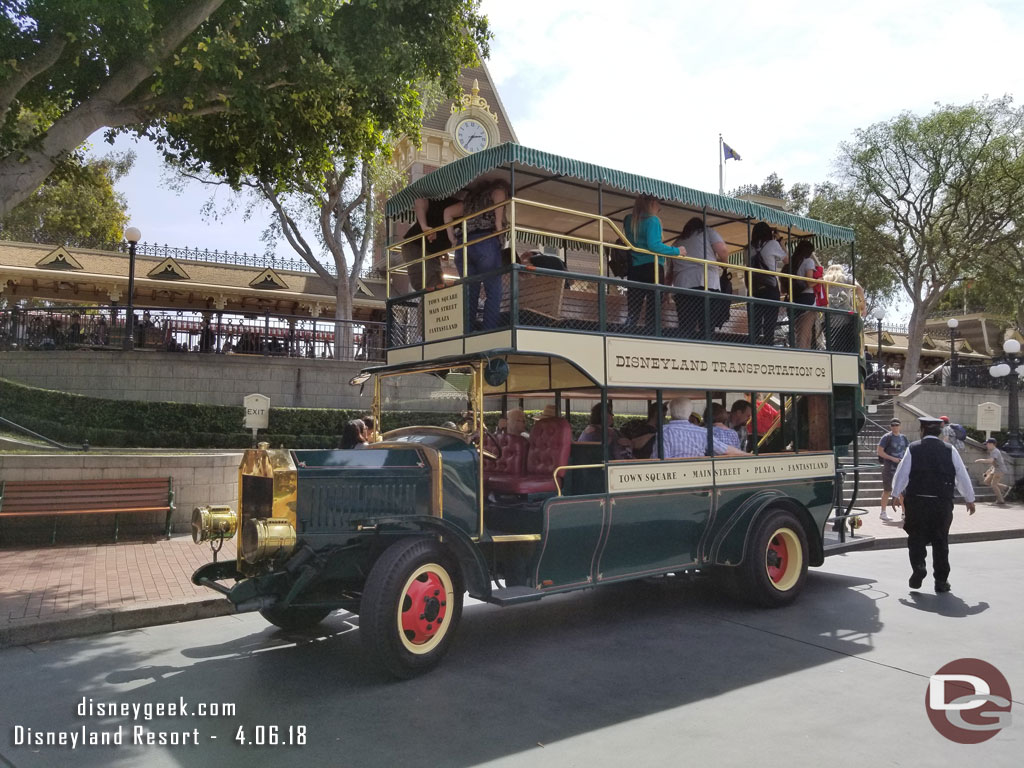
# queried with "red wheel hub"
point(777, 558)
point(424, 608)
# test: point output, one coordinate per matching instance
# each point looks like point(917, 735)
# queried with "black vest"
point(931, 469)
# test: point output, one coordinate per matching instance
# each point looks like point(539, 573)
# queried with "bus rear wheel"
point(775, 569)
point(411, 605)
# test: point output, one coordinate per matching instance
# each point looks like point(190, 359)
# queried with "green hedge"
point(74, 419)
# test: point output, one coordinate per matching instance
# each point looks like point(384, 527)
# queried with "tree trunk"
point(915, 336)
point(23, 170)
point(343, 337)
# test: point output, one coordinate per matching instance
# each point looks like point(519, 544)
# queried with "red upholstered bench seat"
point(511, 463)
point(549, 446)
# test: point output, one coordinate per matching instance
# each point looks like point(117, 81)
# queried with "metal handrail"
point(558, 486)
point(624, 243)
point(25, 430)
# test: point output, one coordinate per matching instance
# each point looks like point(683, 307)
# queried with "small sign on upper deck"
point(257, 411)
point(442, 314)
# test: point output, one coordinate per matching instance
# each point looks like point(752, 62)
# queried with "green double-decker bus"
point(400, 529)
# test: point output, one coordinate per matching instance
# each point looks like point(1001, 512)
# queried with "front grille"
point(331, 504)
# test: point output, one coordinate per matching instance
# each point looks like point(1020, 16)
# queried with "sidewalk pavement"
point(54, 592)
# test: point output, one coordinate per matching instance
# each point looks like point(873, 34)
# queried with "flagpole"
point(721, 187)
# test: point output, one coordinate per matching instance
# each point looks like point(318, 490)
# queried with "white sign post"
point(257, 413)
point(990, 418)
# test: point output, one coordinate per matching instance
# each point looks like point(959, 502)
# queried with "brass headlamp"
point(266, 537)
point(213, 522)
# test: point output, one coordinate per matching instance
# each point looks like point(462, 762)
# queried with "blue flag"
point(730, 153)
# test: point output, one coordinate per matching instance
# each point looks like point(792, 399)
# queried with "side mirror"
point(496, 372)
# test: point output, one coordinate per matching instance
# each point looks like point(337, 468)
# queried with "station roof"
point(566, 183)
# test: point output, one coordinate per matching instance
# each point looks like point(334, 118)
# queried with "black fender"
point(729, 546)
point(471, 560)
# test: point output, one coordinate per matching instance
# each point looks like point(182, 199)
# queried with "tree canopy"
point(76, 206)
point(240, 87)
point(947, 189)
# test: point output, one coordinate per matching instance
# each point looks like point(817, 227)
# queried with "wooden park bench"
point(87, 497)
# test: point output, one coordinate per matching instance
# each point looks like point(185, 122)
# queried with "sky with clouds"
point(647, 85)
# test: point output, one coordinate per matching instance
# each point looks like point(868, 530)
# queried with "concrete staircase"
point(869, 492)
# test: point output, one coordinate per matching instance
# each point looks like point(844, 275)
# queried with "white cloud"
point(647, 86)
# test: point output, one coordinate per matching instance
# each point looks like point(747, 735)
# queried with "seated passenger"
point(642, 433)
point(720, 426)
point(683, 439)
point(620, 447)
point(514, 423)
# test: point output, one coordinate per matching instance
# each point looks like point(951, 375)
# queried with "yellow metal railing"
point(558, 485)
point(607, 229)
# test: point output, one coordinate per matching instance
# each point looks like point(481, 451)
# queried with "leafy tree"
point(796, 197)
point(948, 188)
point(838, 205)
point(239, 87)
point(75, 206)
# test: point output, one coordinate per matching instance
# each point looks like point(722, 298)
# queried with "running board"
point(833, 546)
point(514, 595)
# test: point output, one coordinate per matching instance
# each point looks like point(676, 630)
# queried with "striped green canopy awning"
point(573, 184)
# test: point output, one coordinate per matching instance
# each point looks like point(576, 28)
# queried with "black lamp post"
point(878, 314)
point(952, 324)
point(1012, 365)
point(132, 235)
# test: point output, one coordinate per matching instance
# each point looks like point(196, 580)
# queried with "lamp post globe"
point(1011, 367)
point(952, 324)
point(132, 235)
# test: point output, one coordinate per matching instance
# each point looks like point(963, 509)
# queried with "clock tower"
point(474, 121)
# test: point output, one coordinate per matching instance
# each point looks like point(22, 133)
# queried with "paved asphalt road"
point(631, 675)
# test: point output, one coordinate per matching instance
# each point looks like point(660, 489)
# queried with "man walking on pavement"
point(999, 468)
point(925, 478)
point(890, 450)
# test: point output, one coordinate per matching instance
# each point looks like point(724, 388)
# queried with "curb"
point(112, 621)
point(954, 538)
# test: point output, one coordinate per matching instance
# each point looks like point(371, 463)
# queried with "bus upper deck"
point(439, 305)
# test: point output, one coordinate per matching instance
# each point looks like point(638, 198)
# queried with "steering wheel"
point(483, 448)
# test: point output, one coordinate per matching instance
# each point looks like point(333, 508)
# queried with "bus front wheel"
point(411, 606)
point(776, 565)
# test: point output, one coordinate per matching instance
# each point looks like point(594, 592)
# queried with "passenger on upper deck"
point(765, 253)
point(684, 440)
point(697, 242)
point(483, 256)
point(429, 214)
point(803, 266)
point(643, 228)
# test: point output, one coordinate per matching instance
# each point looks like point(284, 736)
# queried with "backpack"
point(722, 308)
point(619, 260)
point(820, 289)
point(960, 431)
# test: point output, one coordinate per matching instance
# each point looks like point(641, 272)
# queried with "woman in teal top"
point(647, 235)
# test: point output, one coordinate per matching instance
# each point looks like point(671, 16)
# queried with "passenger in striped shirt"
point(683, 439)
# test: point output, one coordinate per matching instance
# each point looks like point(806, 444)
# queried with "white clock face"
point(471, 135)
